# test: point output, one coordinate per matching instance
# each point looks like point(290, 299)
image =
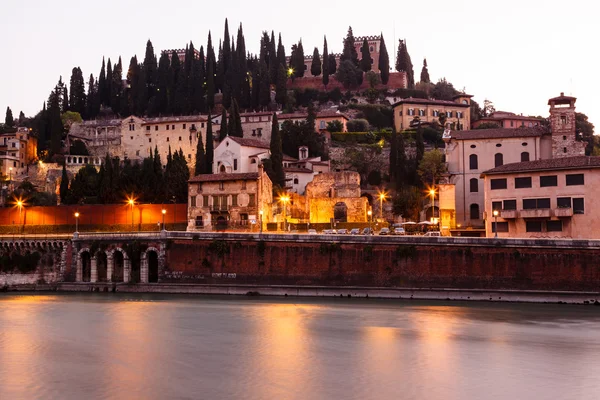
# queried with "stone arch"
point(150, 265)
point(84, 267)
point(100, 266)
point(340, 212)
point(119, 266)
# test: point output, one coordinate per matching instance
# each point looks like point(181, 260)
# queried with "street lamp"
point(432, 193)
point(131, 202)
point(382, 197)
point(260, 214)
point(10, 175)
point(77, 222)
point(20, 205)
point(163, 211)
point(370, 213)
point(284, 199)
point(495, 223)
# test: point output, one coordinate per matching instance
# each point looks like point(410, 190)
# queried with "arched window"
point(524, 156)
point(295, 181)
point(222, 169)
point(474, 211)
point(473, 161)
point(253, 161)
point(474, 184)
point(498, 159)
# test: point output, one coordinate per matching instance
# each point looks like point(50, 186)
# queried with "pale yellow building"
point(458, 115)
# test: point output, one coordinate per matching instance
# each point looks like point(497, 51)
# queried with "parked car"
point(329, 231)
point(399, 231)
point(342, 231)
point(355, 231)
point(384, 231)
point(312, 231)
point(367, 231)
point(433, 233)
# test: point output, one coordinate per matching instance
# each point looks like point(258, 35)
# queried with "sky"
point(517, 54)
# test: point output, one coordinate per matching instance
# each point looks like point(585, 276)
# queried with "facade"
point(17, 151)
point(458, 115)
point(255, 125)
point(229, 200)
point(300, 172)
point(508, 120)
point(544, 198)
point(100, 137)
point(321, 120)
point(180, 53)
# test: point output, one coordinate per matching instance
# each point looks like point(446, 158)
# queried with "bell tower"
point(565, 142)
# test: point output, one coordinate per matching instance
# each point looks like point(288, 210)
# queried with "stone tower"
point(565, 142)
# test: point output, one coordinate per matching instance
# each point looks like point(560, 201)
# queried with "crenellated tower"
point(565, 142)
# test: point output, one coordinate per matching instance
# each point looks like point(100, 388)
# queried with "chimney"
point(562, 94)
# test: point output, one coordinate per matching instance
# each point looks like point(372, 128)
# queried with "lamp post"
point(77, 222)
point(495, 223)
point(284, 199)
point(163, 211)
point(382, 197)
point(432, 193)
point(20, 205)
point(370, 213)
point(260, 216)
point(131, 202)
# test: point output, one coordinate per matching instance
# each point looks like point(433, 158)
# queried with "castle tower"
point(565, 142)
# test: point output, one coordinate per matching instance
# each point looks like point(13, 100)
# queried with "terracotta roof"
point(256, 114)
point(577, 162)
point(414, 100)
point(456, 96)
point(561, 99)
point(509, 116)
point(297, 169)
point(225, 177)
point(185, 118)
point(101, 122)
point(250, 142)
point(497, 133)
point(289, 158)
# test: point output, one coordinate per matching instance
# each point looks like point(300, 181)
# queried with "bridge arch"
point(149, 267)
point(83, 272)
point(119, 265)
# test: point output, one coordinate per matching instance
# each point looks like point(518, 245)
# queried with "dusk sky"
point(516, 53)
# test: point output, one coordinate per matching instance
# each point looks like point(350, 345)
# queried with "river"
point(131, 346)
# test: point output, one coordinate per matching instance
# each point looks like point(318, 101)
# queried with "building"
point(17, 151)
point(544, 198)
point(233, 200)
point(180, 53)
point(100, 137)
point(505, 119)
point(458, 115)
point(300, 172)
point(322, 118)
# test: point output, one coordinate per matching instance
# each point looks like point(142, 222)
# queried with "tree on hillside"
point(223, 132)
point(404, 63)
point(384, 62)
point(64, 185)
point(325, 67)
point(349, 52)
point(297, 61)
point(102, 84)
point(488, 108)
point(332, 65)
point(200, 167)
point(275, 146)
point(116, 88)
point(108, 88)
point(234, 127)
point(315, 67)
point(347, 74)
point(9, 120)
point(432, 167)
point(586, 129)
point(366, 60)
point(281, 90)
point(21, 121)
point(424, 72)
point(133, 74)
point(77, 89)
point(209, 146)
point(210, 74)
point(443, 90)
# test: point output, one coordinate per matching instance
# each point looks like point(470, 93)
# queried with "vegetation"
point(404, 63)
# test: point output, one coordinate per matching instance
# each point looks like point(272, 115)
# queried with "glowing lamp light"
point(164, 211)
point(76, 215)
point(495, 213)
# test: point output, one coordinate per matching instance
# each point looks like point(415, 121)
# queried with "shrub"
point(357, 125)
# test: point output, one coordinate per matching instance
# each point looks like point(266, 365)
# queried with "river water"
point(120, 346)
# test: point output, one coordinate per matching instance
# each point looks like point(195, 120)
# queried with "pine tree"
point(209, 146)
point(349, 52)
point(77, 89)
point(102, 84)
point(325, 63)
point(210, 74)
point(404, 64)
point(425, 72)
point(315, 67)
point(64, 185)
point(9, 121)
point(223, 133)
point(384, 62)
point(64, 104)
point(366, 60)
point(278, 177)
point(281, 92)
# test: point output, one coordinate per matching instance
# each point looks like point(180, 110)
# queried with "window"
point(167, 138)
point(533, 204)
point(499, 226)
point(554, 226)
point(371, 49)
point(497, 184)
point(167, 127)
point(180, 138)
point(295, 181)
point(473, 161)
point(149, 140)
point(512, 124)
point(322, 125)
point(524, 156)
point(251, 200)
point(148, 127)
point(524, 144)
point(131, 137)
point(564, 137)
point(234, 202)
point(496, 205)
point(436, 113)
point(498, 145)
point(193, 127)
point(411, 111)
point(137, 152)
point(243, 185)
point(449, 114)
point(400, 113)
point(533, 226)
point(205, 201)
point(474, 211)
point(421, 112)
point(578, 206)
point(183, 126)
point(474, 185)
point(575, 179)
point(459, 114)
point(563, 202)
point(221, 185)
point(473, 146)
point(498, 160)
point(564, 149)
point(521, 183)
point(253, 161)
point(563, 119)
point(192, 201)
point(235, 164)
point(253, 132)
point(259, 132)
point(509, 204)
point(173, 127)
point(547, 181)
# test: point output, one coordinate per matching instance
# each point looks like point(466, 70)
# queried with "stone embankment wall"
point(480, 265)
point(28, 279)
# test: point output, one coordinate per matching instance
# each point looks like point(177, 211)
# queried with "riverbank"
point(495, 295)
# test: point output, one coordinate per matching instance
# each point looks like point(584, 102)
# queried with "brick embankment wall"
point(397, 265)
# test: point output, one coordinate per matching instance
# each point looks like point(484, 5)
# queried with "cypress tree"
point(177, 95)
point(116, 88)
point(234, 127)
point(281, 54)
point(132, 82)
point(325, 62)
point(384, 62)
point(255, 84)
point(410, 71)
point(64, 185)
point(223, 133)
point(264, 96)
point(226, 49)
point(109, 77)
point(404, 64)
point(200, 77)
point(150, 70)
point(77, 89)
point(55, 124)
point(366, 60)
point(92, 99)
point(425, 72)
point(273, 65)
point(163, 88)
point(281, 90)
point(209, 146)
point(349, 52)
point(210, 74)
point(21, 120)
point(102, 84)
point(297, 60)
point(278, 177)
point(200, 167)
point(64, 105)
point(265, 44)
point(9, 121)
point(241, 50)
point(315, 67)
point(332, 65)
point(141, 101)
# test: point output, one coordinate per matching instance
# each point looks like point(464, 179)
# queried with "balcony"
point(535, 213)
point(508, 214)
point(563, 212)
point(221, 208)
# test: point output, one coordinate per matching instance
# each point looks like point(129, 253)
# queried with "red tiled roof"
point(323, 114)
point(185, 118)
point(493, 118)
point(225, 177)
point(456, 96)
point(256, 114)
point(497, 133)
point(561, 99)
point(250, 142)
point(414, 100)
point(577, 162)
point(298, 169)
